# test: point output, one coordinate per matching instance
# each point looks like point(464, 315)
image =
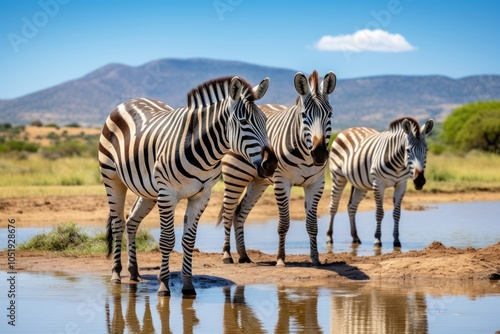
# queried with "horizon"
point(49, 42)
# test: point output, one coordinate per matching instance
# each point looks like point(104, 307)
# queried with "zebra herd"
point(164, 155)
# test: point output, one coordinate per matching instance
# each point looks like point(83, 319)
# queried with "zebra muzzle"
point(269, 162)
point(419, 181)
point(319, 153)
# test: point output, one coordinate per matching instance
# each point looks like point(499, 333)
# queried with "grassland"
point(65, 162)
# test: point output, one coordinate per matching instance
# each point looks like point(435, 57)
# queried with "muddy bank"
point(436, 262)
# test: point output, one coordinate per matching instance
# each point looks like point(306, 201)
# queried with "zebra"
point(299, 135)
point(164, 155)
point(372, 160)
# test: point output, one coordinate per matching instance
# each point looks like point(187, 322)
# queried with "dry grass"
point(39, 135)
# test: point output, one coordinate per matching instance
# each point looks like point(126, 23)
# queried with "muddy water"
point(48, 303)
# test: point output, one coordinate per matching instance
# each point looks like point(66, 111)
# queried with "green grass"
point(460, 172)
point(32, 175)
point(34, 170)
point(71, 239)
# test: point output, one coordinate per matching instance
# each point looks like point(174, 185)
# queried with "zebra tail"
point(236, 214)
point(219, 218)
point(109, 237)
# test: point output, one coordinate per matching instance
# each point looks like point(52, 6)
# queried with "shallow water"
point(56, 303)
point(461, 225)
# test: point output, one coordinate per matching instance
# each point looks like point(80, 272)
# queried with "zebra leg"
point(282, 194)
point(399, 192)
point(379, 202)
point(338, 185)
point(313, 195)
point(116, 192)
point(356, 196)
point(141, 208)
point(195, 208)
point(237, 173)
point(166, 206)
point(229, 204)
point(254, 191)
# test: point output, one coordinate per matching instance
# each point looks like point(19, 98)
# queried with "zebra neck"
point(206, 133)
point(395, 154)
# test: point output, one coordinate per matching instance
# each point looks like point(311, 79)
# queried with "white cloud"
point(365, 40)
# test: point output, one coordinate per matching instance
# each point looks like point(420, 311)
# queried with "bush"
point(63, 237)
point(474, 126)
point(70, 148)
point(52, 125)
point(18, 146)
point(70, 238)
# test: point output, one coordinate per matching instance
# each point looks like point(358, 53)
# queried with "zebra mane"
point(397, 124)
point(313, 82)
point(216, 90)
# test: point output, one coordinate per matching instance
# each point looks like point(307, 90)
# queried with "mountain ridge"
point(369, 101)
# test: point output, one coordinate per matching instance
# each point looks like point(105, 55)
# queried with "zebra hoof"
point(377, 244)
point(163, 293)
point(280, 263)
point(228, 260)
point(188, 292)
point(397, 245)
point(116, 281)
point(136, 279)
point(494, 277)
point(245, 259)
point(315, 264)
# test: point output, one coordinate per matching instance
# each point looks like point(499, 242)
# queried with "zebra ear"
point(329, 83)
point(261, 89)
point(301, 84)
point(427, 127)
point(235, 88)
point(407, 127)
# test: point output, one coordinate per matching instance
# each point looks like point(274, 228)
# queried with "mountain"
point(371, 101)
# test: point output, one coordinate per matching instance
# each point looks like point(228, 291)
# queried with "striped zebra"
point(164, 155)
point(299, 135)
point(372, 160)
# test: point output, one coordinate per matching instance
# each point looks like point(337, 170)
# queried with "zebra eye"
point(243, 121)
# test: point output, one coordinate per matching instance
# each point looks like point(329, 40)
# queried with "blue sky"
point(47, 42)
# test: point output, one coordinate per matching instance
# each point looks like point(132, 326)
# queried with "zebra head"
point(416, 149)
point(247, 126)
point(316, 113)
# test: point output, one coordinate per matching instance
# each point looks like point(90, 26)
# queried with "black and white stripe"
point(164, 155)
point(299, 135)
point(372, 160)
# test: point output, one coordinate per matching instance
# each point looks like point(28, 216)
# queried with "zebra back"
point(360, 153)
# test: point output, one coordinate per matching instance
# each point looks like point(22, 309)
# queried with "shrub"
point(18, 146)
point(70, 238)
point(63, 237)
point(69, 148)
point(37, 123)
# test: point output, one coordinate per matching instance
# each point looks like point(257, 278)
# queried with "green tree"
point(474, 126)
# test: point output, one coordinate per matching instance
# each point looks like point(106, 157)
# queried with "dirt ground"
point(434, 262)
